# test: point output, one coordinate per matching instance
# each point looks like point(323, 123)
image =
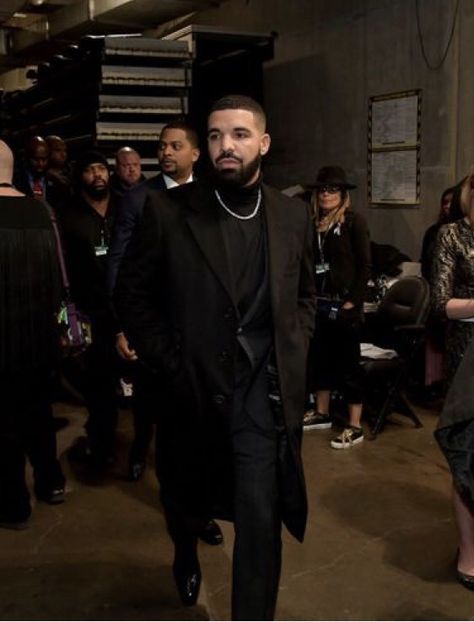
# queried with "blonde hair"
point(335, 216)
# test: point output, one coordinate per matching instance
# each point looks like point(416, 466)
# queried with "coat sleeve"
point(127, 219)
point(138, 294)
point(307, 287)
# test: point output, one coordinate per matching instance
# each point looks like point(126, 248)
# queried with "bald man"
point(128, 168)
point(30, 294)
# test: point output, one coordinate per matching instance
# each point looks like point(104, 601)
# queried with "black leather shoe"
point(187, 575)
point(16, 525)
point(136, 470)
point(211, 534)
point(82, 453)
point(53, 497)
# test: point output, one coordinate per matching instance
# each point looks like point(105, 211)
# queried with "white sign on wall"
point(394, 149)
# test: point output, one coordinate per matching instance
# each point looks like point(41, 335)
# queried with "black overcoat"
point(174, 298)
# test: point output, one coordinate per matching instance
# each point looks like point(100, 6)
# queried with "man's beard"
point(97, 194)
point(238, 177)
point(171, 168)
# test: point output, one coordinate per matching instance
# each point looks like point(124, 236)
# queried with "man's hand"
point(121, 344)
point(348, 305)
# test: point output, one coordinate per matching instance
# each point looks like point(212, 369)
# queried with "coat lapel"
point(205, 226)
point(275, 212)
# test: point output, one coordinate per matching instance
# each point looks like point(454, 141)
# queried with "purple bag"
point(74, 327)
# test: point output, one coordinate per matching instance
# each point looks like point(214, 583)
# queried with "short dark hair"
point(190, 132)
point(240, 102)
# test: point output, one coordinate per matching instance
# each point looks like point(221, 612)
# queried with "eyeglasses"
point(329, 189)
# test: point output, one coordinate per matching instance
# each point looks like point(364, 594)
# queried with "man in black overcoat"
point(216, 293)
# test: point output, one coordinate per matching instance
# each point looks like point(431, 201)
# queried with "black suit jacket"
point(130, 206)
point(57, 194)
point(175, 300)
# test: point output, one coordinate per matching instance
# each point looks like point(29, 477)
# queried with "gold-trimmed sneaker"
point(348, 438)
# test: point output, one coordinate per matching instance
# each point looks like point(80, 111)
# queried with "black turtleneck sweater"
point(244, 241)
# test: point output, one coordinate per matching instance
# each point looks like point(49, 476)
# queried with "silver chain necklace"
point(229, 211)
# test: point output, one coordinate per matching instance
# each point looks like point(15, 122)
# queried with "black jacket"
point(86, 239)
point(346, 248)
point(175, 301)
point(129, 209)
point(57, 194)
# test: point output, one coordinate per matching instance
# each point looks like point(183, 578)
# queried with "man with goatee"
point(87, 227)
point(216, 294)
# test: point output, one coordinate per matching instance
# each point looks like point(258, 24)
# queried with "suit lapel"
point(205, 226)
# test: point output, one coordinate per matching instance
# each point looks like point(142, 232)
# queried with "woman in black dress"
point(342, 266)
point(453, 298)
point(30, 295)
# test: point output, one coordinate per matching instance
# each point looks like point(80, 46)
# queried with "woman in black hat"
point(342, 266)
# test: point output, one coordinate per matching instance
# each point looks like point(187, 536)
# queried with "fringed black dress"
point(30, 291)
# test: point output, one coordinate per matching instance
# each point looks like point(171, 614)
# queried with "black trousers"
point(100, 389)
point(144, 409)
point(253, 443)
point(334, 359)
point(26, 430)
point(256, 516)
point(257, 522)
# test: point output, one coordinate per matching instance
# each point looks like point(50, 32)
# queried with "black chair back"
point(406, 302)
point(399, 325)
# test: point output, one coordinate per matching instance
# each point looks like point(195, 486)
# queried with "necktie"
point(38, 191)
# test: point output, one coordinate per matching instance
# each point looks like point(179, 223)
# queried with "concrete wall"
point(330, 57)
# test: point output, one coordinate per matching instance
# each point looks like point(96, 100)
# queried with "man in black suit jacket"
point(34, 180)
point(177, 153)
point(216, 293)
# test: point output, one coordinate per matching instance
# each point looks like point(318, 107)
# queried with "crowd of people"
point(228, 305)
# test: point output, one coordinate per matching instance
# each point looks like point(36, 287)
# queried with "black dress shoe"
point(211, 534)
point(136, 470)
point(187, 575)
point(16, 525)
point(53, 497)
point(82, 453)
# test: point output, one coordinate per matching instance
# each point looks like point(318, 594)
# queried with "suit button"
point(229, 313)
point(219, 399)
point(224, 356)
point(240, 330)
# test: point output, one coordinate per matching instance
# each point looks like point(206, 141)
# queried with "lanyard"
point(321, 240)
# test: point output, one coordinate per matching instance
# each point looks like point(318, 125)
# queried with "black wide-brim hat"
point(332, 176)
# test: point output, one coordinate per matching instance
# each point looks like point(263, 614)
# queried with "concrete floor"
point(380, 541)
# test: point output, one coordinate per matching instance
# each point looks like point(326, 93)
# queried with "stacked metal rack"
point(104, 93)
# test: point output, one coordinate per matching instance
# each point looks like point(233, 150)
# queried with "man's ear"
point(196, 154)
point(265, 144)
